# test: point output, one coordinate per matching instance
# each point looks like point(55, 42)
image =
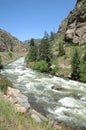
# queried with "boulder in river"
point(56, 87)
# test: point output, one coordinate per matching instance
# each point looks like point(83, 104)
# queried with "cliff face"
point(74, 26)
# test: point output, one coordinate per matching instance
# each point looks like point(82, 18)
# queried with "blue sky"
point(27, 19)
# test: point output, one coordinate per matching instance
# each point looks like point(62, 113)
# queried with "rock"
point(37, 116)
point(18, 99)
point(20, 109)
point(74, 26)
point(57, 87)
point(1, 66)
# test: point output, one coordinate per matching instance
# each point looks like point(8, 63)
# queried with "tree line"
point(40, 57)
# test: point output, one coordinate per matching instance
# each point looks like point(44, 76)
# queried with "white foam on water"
point(70, 102)
point(67, 103)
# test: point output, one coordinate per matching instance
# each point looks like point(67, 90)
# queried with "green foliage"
point(0, 60)
point(61, 49)
point(52, 36)
point(75, 65)
point(10, 54)
point(41, 66)
point(12, 120)
point(32, 43)
point(83, 72)
point(84, 58)
point(39, 57)
point(44, 51)
point(32, 54)
point(54, 70)
point(4, 84)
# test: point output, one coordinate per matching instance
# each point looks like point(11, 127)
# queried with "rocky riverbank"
point(21, 105)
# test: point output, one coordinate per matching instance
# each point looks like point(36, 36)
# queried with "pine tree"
point(83, 71)
point(32, 55)
point(44, 50)
point(52, 36)
point(75, 66)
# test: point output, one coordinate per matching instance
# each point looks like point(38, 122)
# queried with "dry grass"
point(17, 53)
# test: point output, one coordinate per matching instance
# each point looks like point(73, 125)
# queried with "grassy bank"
point(11, 120)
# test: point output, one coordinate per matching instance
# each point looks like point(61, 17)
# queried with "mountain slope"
point(74, 26)
point(10, 47)
point(7, 41)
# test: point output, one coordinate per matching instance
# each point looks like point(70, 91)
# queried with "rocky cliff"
point(74, 26)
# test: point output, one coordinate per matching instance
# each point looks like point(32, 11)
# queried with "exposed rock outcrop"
point(74, 26)
point(19, 100)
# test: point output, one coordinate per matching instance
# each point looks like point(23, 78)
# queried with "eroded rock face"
point(74, 26)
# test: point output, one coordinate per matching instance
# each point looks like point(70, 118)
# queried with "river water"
point(67, 104)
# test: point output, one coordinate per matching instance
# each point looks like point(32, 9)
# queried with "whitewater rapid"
point(67, 104)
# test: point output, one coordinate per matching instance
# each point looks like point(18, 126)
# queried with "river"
point(67, 104)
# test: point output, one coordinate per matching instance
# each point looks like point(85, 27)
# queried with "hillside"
point(72, 34)
point(74, 25)
point(10, 47)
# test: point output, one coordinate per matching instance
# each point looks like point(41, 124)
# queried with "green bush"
point(54, 70)
point(83, 72)
point(0, 60)
point(4, 84)
point(10, 54)
point(41, 66)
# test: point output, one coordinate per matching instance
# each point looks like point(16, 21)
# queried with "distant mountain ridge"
point(74, 26)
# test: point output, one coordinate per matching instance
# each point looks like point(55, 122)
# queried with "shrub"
point(0, 60)
point(10, 54)
point(75, 64)
point(4, 84)
point(54, 70)
point(41, 66)
point(83, 72)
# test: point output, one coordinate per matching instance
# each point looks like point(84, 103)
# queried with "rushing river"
point(67, 104)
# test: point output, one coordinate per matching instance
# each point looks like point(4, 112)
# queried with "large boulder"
point(19, 100)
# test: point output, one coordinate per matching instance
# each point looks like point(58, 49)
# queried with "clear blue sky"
point(27, 19)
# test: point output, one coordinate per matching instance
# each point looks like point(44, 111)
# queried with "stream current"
point(67, 104)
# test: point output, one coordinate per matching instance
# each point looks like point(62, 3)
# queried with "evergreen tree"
point(83, 71)
point(44, 50)
point(32, 55)
point(32, 43)
point(52, 36)
point(75, 66)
